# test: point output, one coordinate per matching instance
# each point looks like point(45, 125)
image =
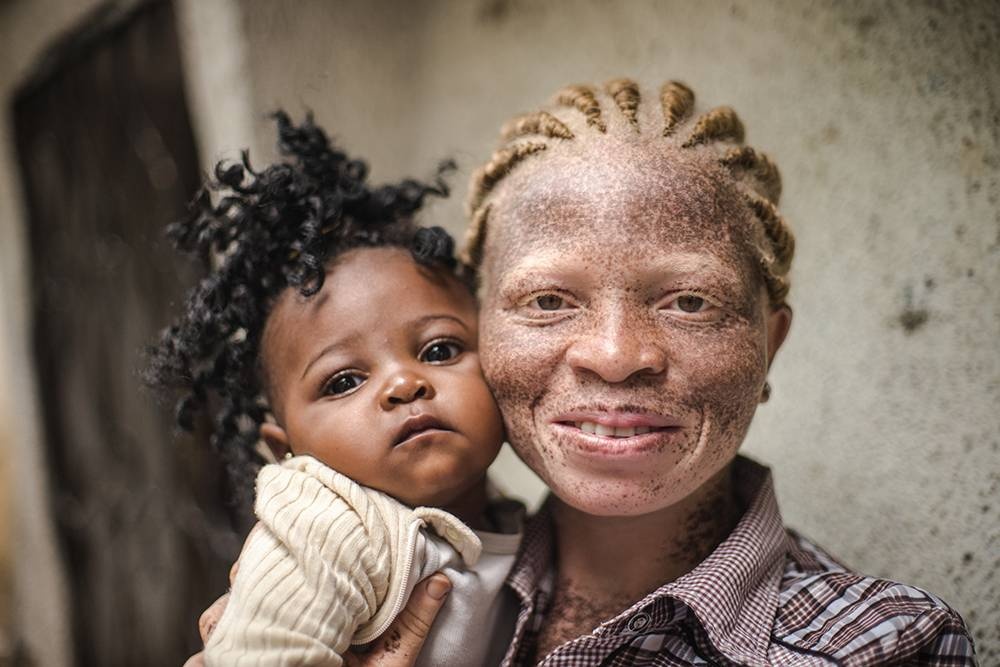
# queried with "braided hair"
point(257, 233)
point(577, 113)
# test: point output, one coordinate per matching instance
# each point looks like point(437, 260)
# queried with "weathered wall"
point(883, 430)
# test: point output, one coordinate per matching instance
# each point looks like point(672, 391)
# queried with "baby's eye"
point(344, 383)
point(440, 352)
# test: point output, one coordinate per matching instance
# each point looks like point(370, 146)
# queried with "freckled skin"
point(619, 242)
point(376, 320)
point(615, 231)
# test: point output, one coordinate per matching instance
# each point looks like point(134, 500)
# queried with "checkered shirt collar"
point(733, 593)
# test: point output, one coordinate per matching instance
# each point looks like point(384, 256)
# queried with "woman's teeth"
point(612, 431)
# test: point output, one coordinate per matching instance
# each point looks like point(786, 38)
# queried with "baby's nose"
point(405, 387)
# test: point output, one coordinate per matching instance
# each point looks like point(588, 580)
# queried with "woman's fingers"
point(206, 624)
point(400, 645)
point(210, 617)
point(196, 660)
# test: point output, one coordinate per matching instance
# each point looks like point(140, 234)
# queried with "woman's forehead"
point(572, 204)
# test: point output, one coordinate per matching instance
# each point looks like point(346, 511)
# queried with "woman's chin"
point(614, 497)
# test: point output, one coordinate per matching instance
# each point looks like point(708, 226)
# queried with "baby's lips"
point(415, 424)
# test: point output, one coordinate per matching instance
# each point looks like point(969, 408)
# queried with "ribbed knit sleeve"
point(313, 570)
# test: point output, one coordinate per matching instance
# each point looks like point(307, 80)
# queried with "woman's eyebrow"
point(542, 263)
point(677, 263)
point(689, 262)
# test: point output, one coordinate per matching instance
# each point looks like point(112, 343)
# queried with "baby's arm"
point(307, 579)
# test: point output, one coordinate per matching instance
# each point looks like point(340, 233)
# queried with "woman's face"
point(625, 328)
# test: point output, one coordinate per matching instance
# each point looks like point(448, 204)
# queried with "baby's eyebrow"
point(426, 319)
point(343, 342)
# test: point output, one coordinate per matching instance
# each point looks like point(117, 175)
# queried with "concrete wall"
point(883, 430)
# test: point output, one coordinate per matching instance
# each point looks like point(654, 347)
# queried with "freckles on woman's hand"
point(400, 645)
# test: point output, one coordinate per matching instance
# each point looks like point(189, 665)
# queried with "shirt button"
point(639, 622)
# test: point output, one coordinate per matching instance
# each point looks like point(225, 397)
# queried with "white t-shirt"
point(476, 624)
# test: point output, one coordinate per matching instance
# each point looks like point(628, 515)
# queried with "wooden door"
point(108, 158)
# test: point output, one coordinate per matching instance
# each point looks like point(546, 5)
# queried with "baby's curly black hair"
point(264, 232)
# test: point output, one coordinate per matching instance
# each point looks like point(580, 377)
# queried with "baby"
point(337, 332)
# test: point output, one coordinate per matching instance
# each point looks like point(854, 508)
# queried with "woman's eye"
point(690, 303)
point(548, 302)
point(343, 384)
point(436, 353)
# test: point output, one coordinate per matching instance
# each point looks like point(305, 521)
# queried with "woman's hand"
point(398, 646)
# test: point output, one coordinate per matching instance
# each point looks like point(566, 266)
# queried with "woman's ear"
point(779, 321)
point(276, 439)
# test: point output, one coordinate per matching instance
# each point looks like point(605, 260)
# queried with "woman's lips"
point(614, 423)
point(636, 446)
point(617, 435)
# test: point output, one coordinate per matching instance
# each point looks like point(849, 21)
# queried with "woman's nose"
point(405, 387)
point(619, 346)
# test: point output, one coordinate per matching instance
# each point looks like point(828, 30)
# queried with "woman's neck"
point(643, 552)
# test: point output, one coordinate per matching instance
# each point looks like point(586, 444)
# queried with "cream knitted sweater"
point(331, 563)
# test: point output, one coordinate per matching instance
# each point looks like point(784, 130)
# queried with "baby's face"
point(378, 377)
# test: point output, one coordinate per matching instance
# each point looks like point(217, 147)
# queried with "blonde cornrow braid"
point(719, 124)
point(758, 166)
point(676, 101)
point(756, 175)
point(584, 100)
point(625, 93)
point(778, 233)
point(475, 238)
point(540, 122)
point(499, 166)
point(777, 285)
point(483, 181)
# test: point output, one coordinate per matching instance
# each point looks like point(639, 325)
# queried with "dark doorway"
point(108, 158)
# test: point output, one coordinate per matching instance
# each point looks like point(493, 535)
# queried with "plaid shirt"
point(765, 596)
